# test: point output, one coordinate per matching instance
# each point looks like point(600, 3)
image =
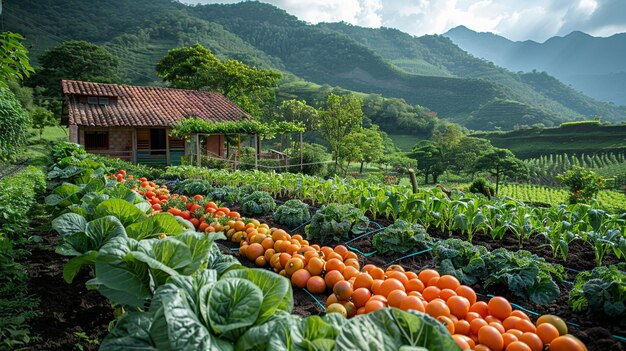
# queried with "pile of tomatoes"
point(476, 325)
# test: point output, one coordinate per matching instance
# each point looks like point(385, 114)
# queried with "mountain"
point(594, 65)
point(429, 71)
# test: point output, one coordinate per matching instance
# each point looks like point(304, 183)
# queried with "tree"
point(499, 162)
point(447, 136)
point(78, 60)
point(197, 68)
point(429, 160)
point(14, 61)
point(298, 111)
point(584, 184)
point(43, 118)
point(340, 116)
point(467, 151)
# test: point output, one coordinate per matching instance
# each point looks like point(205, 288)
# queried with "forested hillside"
point(429, 71)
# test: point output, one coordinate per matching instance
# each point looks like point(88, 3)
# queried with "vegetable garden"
point(246, 260)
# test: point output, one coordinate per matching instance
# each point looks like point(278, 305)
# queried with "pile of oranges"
point(473, 324)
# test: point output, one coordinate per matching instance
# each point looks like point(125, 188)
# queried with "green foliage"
point(43, 118)
point(341, 115)
point(499, 163)
point(501, 114)
point(601, 291)
point(292, 213)
point(14, 61)
point(524, 274)
point(14, 124)
point(297, 111)
point(77, 60)
point(259, 203)
point(584, 184)
point(192, 187)
point(336, 222)
point(197, 68)
point(429, 159)
point(194, 125)
point(580, 124)
point(314, 159)
point(17, 196)
point(401, 237)
point(364, 145)
point(480, 186)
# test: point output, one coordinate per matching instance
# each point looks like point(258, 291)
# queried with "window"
point(103, 100)
point(92, 100)
point(96, 140)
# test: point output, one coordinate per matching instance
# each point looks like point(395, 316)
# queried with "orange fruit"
point(432, 281)
point(497, 326)
point(284, 258)
point(567, 343)
point(368, 267)
point(462, 327)
point(499, 307)
point(448, 282)
point(350, 272)
point(316, 285)
point(332, 278)
point(481, 347)
point(459, 306)
point(476, 324)
point(294, 264)
point(555, 321)
point(430, 293)
point(360, 296)
point(467, 293)
point(470, 316)
point(376, 286)
point(520, 314)
point(490, 337)
point(377, 273)
point(509, 322)
point(412, 303)
point(491, 319)
point(351, 262)
point(350, 309)
point(395, 298)
point(515, 332)
point(330, 300)
point(260, 261)
point(254, 250)
point(437, 307)
point(343, 290)
point(414, 285)
point(426, 274)
point(341, 249)
point(335, 265)
point(447, 322)
point(547, 332)
point(525, 326)
point(532, 340)
point(373, 305)
point(481, 308)
point(315, 266)
point(337, 308)
point(461, 342)
point(397, 275)
point(390, 285)
point(445, 294)
point(520, 346)
point(411, 275)
point(508, 338)
point(300, 278)
point(363, 280)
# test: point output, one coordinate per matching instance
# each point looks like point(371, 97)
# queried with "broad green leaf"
point(144, 207)
point(131, 332)
point(390, 329)
point(199, 245)
point(69, 223)
point(118, 270)
point(234, 306)
point(73, 266)
point(221, 262)
point(126, 212)
point(161, 223)
point(166, 257)
point(101, 230)
point(277, 293)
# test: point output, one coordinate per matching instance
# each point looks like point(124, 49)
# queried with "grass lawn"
point(38, 148)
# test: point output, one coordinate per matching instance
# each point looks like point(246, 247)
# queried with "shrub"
point(292, 213)
point(584, 184)
point(401, 237)
point(311, 153)
point(480, 186)
point(14, 124)
point(336, 222)
point(259, 203)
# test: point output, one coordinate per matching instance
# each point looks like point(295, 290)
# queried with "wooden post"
point(168, 160)
point(256, 154)
point(198, 152)
point(238, 147)
point(301, 153)
point(134, 148)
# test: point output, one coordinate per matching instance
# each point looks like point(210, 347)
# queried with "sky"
point(535, 20)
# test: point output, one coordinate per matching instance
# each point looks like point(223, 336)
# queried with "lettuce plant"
point(401, 237)
point(603, 290)
point(292, 213)
point(259, 203)
point(336, 222)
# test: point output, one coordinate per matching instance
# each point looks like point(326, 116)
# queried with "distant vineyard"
point(610, 165)
point(610, 200)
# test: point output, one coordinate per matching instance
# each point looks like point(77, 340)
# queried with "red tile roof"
point(145, 106)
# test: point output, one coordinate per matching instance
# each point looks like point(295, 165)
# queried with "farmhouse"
point(133, 122)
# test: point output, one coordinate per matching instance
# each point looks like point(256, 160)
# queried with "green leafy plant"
point(193, 187)
point(336, 222)
point(584, 184)
point(603, 291)
point(292, 213)
point(259, 203)
point(461, 259)
point(401, 237)
point(480, 186)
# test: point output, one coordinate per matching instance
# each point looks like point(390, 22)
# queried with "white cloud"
point(515, 19)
